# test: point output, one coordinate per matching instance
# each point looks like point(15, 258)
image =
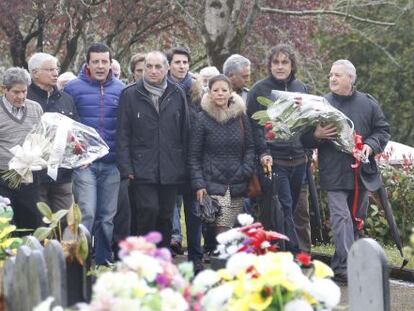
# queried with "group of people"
point(175, 137)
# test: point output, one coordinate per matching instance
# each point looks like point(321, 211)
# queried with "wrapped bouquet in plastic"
point(294, 113)
point(56, 141)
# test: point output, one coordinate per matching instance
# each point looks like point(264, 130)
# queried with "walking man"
point(336, 173)
point(44, 70)
point(152, 135)
point(96, 95)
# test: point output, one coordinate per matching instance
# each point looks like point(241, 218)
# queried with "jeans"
point(95, 189)
point(176, 228)
point(289, 182)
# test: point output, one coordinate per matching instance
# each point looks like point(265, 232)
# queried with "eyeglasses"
point(50, 70)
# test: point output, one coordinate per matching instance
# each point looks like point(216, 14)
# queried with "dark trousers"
point(57, 195)
point(193, 226)
point(154, 209)
point(122, 219)
point(23, 201)
point(289, 182)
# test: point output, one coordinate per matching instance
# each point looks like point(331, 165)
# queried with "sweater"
point(14, 131)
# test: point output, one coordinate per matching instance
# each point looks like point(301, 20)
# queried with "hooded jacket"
point(221, 153)
point(97, 105)
point(279, 149)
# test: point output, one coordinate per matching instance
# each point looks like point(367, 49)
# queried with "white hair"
point(37, 59)
point(349, 68)
point(234, 64)
point(209, 71)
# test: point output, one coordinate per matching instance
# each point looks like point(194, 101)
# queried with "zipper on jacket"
point(101, 113)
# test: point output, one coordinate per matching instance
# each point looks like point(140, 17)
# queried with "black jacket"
point(59, 102)
point(221, 155)
point(334, 166)
point(151, 145)
point(279, 149)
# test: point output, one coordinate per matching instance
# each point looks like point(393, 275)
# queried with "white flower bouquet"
point(56, 141)
point(294, 113)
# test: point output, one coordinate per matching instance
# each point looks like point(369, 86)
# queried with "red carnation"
point(268, 125)
point(304, 259)
point(270, 135)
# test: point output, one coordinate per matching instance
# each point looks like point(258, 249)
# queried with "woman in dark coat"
point(221, 154)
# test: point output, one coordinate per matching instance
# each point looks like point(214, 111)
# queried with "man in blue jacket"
point(96, 93)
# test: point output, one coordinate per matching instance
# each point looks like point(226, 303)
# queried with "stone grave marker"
point(368, 283)
point(56, 272)
point(9, 282)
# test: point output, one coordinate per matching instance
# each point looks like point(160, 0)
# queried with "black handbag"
point(208, 209)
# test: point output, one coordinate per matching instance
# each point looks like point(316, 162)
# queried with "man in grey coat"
point(336, 174)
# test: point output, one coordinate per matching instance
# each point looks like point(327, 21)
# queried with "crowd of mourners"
point(175, 137)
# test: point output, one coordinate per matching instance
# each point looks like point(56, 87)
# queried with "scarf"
point(156, 91)
point(185, 83)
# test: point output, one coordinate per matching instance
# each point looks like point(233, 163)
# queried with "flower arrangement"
point(56, 141)
point(273, 281)
point(250, 238)
point(145, 279)
point(293, 113)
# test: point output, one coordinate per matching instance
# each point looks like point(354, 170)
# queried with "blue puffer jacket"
point(97, 105)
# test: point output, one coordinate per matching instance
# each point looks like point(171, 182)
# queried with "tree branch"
point(324, 12)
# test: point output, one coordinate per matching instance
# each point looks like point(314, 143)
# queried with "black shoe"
point(340, 278)
point(198, 266)
point(177, 248)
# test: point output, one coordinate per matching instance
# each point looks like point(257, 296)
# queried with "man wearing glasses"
point(44, 71)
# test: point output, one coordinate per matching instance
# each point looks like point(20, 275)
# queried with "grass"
point(391, 252)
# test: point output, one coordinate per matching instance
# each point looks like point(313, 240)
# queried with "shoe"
point(177, 248)
point(198, 266)
point(340, 278)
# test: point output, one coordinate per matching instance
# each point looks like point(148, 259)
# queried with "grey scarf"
point(156, 91)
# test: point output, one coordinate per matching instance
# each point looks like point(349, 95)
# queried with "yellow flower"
point(225, 275)
point(258, 302)
point(322, 270)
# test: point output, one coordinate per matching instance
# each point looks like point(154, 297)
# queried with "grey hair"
point(209, 71)
point(15, 75)
point(37, 60)
point(159, 53)
point(349, 68)
point(234, 64)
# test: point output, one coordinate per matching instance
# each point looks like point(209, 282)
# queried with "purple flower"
point(163, 253)
point(162, 280)
point(153, 237)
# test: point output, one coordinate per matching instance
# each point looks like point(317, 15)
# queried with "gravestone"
point(56, 272)
point(9, 282)
point(32, 243)
point(368, 283)
point(30, 285)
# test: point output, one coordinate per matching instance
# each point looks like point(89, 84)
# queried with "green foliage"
point(8, 244)
point(75, 243)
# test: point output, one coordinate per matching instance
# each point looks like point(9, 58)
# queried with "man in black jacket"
point(152, 136)
point(287, 156)
point(44, 71)
point(336, 173)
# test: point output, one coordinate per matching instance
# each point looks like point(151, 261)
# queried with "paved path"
point(402, 296)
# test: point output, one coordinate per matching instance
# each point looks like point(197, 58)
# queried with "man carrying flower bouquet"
point(346, 185)
point(287, 156)
point(95, 187)
point(18, 115)
point(44, 70)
